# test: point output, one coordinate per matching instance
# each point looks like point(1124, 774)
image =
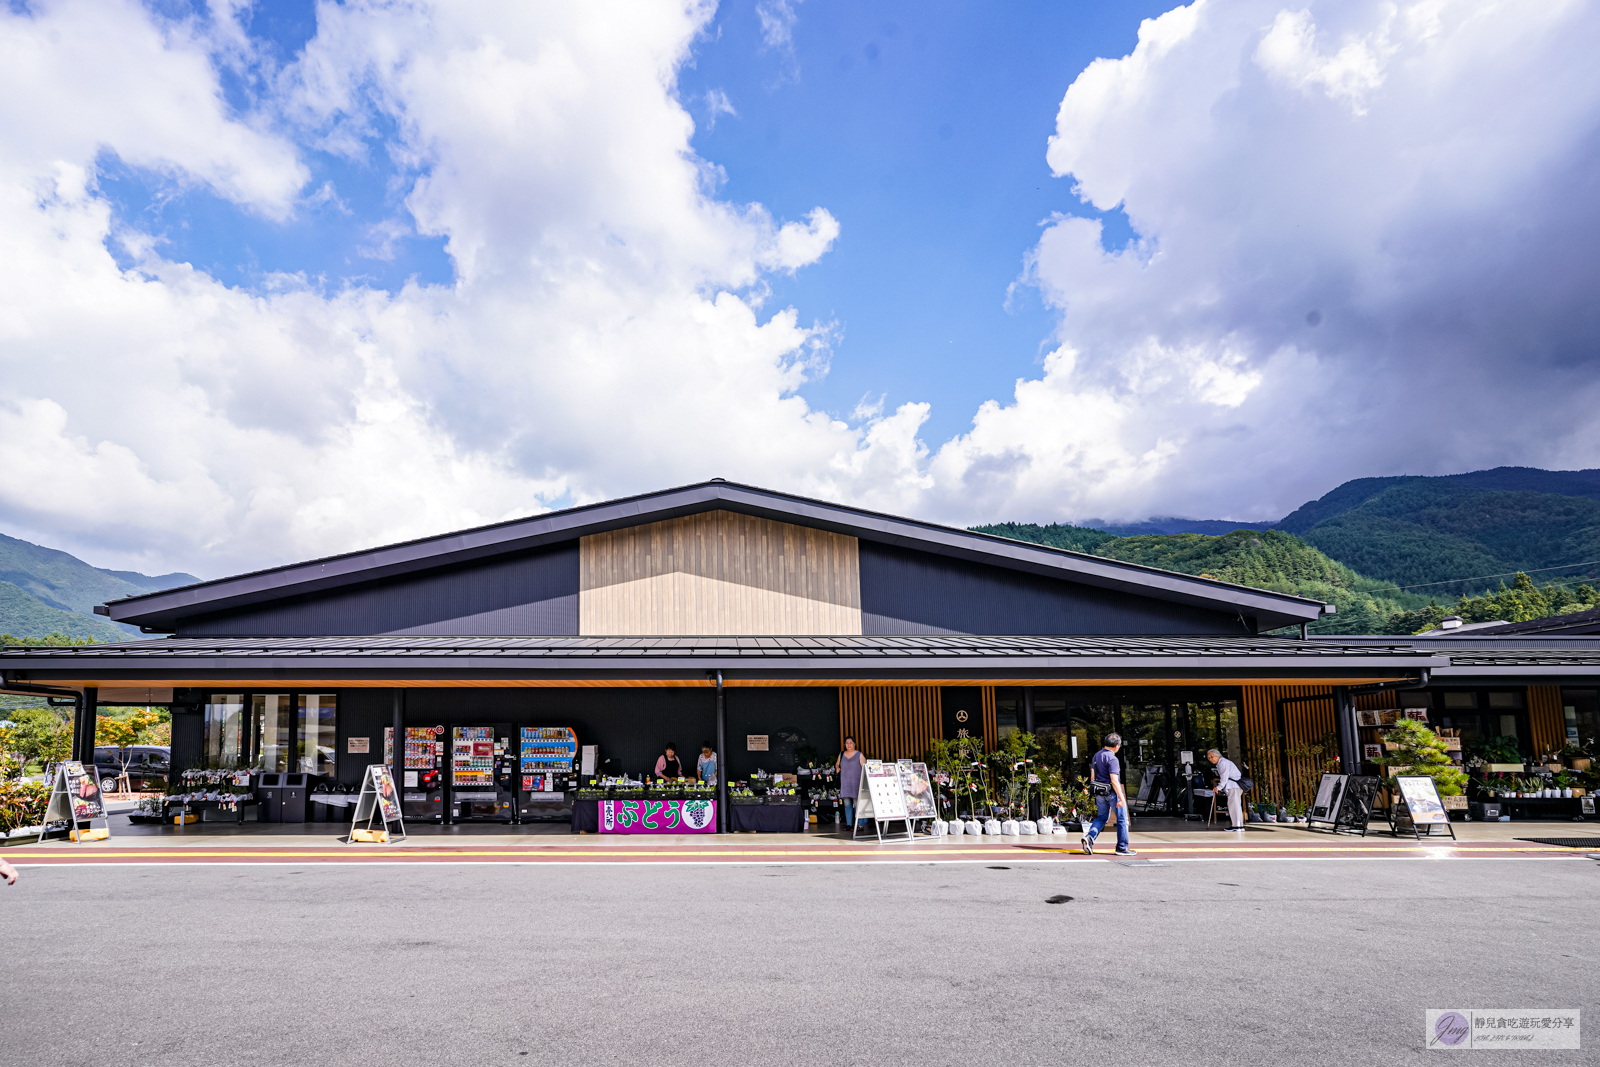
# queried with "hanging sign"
point(377, 803)
point(697, 816)
point(75, 798)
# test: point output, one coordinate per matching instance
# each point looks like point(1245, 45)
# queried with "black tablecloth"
point(586, 816)
point(767, 818)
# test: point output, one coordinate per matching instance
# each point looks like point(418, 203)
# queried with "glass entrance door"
point(1144, 729)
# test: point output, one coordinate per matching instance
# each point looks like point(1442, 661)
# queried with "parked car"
point(146, 766)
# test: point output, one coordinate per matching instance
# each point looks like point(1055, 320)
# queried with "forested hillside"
point(44, 590)
point(1266, 559)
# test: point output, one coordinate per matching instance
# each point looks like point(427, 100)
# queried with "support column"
point(722, 758)
point(399, 728)
point(1027, 708)
point(1344, 718)
point(83, 729)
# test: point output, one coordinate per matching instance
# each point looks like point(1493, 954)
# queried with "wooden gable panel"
point(719, 573)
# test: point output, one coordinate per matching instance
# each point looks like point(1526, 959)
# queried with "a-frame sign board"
point(881, 798)
point(75, 799)
point(378, 802)
point(1418, 806)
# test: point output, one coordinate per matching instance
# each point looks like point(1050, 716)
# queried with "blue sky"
point(284, 279)
point(921, 128)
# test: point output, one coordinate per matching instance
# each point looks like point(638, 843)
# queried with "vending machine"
point(422, 774)
point(482, 774)
point(548, 772)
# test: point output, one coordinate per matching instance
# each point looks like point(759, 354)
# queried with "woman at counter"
point(668, 765)
point(706, 765)
point(848, 768)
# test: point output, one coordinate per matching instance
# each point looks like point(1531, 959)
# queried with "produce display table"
point(645, 815)
point(768, 818)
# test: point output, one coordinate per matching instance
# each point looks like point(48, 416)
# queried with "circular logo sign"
point(696, 814)
point(961, 716)
point(1451, 1029)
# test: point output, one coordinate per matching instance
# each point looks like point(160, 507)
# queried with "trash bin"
point(295, 792)
point(269, 792)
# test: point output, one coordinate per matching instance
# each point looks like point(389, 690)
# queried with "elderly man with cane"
point(1228, 785)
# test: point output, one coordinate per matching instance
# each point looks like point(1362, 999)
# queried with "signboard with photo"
point(918, 790)
point(1419, 806)
point(378, 802)
point(1330, 790)
point(75, 800)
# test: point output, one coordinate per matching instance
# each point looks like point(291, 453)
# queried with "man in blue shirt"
point(1105, 781)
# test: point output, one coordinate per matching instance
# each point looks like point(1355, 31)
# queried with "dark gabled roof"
point(932, 656)
point(1577, 623)
point(159, 611)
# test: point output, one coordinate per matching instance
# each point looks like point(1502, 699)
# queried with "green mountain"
point(1444, 535)
point(1265, 559)
point(44, 591)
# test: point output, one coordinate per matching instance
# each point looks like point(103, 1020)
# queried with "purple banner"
point(658, 816)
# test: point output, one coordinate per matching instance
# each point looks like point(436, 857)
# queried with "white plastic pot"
point(953, 827)
point(974, 827)
point(1046, 825)
point(1011, 828)
point(1028, 828)
point(938, 828)
point(991, 826)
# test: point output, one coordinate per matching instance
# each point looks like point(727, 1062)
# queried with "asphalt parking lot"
point(1324, 961)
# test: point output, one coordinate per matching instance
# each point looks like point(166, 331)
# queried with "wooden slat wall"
point(1304, 723)
point(991, 732)
point(1546, 718)
point(718, 573)
point(890, 721)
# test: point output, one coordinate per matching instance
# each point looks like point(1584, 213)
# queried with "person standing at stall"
point(668, 765)
point(848, 768)
point(706, 765)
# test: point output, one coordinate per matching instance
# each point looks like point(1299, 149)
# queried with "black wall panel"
point(790, 717)
point(527, 594)
point(908, 592)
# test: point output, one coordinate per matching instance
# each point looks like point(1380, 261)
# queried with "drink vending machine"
point(422, 774)
point(549, 773)
point(482, 774)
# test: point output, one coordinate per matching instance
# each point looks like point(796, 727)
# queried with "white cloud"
point(1418, 177)
point(596, 342)
point(1364, 247)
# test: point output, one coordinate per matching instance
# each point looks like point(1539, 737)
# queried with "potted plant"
point(1420, 751)
point(1576, 756)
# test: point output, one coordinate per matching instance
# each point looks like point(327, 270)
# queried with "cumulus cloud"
point(1364, 236)
point(1363, 245)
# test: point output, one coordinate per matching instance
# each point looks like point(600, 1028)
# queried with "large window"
point(1581, 710)
point(227, 737)
point(318, 721)
point(273, 732)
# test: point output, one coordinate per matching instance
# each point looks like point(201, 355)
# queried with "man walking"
point(1228, 785)
point(1105, 782)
